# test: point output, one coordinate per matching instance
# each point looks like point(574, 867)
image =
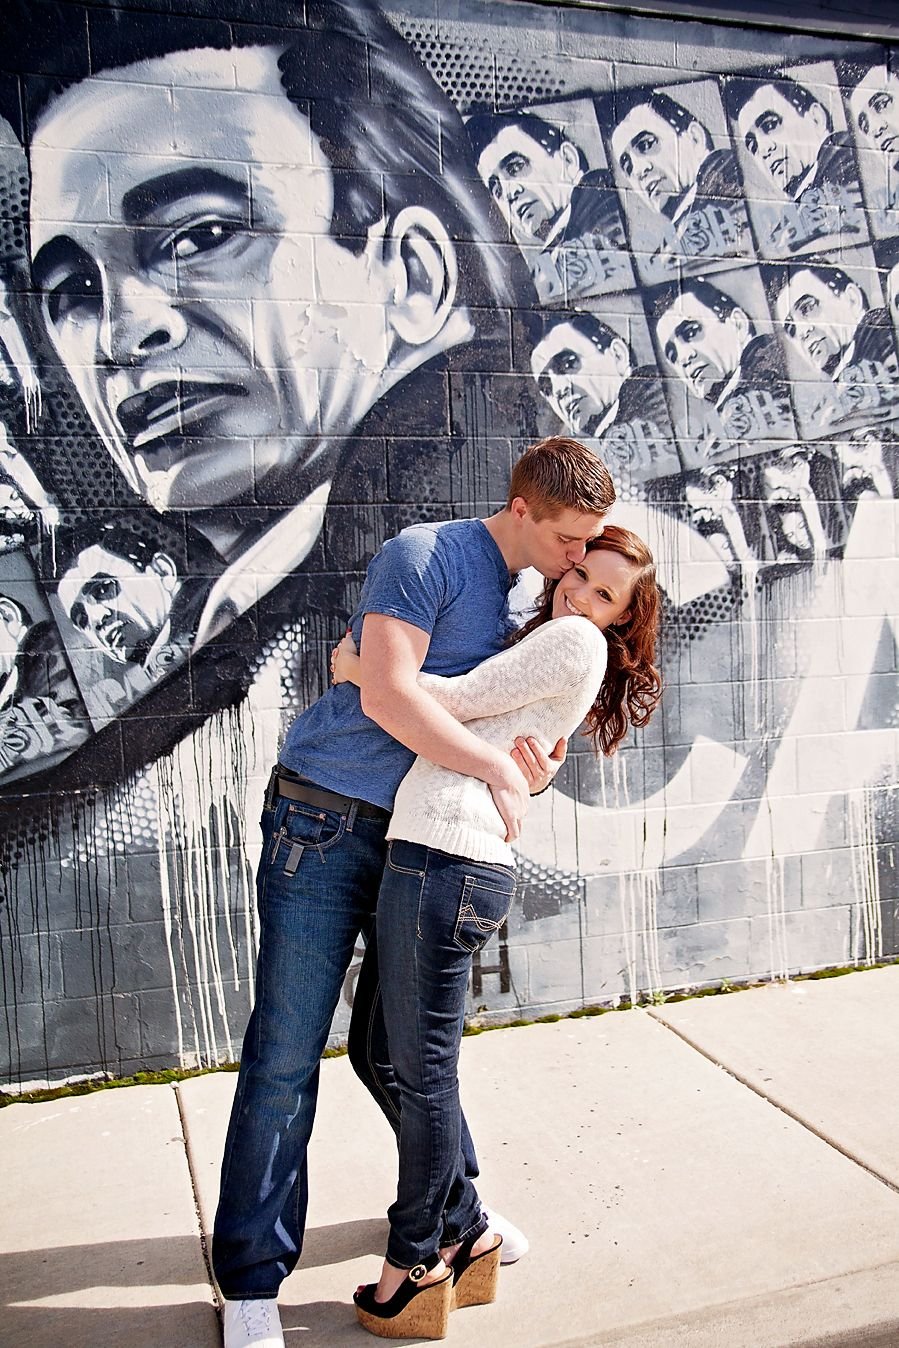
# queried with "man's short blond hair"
point(560, 474)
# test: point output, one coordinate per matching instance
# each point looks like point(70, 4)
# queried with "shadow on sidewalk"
point(142, 1293)
point(344, 1240)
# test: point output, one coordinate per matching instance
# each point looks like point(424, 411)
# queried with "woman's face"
point(598, 588)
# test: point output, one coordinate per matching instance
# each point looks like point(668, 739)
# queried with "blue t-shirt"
point(448, 579)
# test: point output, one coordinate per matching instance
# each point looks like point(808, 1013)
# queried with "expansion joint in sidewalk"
point(776, 1104)
point(204, 1245)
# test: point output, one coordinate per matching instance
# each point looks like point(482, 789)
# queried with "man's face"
point(787, 487)
point(818, 320)
point(709, 499)
point(13, 631)
point(212, 326)
point(875, 110)
point(703, 349)
point(530, 185)
point(660, 163)
point(862, 466)
point(785, 142)
point(120, 607)
point(579, 381)
point(556, 542)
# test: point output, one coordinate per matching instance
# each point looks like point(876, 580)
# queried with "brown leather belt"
point(293, 788)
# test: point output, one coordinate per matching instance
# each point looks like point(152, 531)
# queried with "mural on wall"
point(267, 295)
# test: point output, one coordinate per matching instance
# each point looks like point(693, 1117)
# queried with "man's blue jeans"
point(434, 912)
point(317, 889)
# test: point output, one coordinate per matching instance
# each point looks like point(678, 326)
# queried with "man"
point(794, 513)
point(586, 373)
point(551, 201)
point(667, 156)
point(235, 316)
point(711, 344)
point(874, 105)
point(128, 599)
point(39, 703)
point(789, 132)
point(827, 317)
point(435, 597)
point(715, 513)
point(868, 462)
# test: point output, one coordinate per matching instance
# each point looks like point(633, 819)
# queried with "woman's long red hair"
point(632, 686)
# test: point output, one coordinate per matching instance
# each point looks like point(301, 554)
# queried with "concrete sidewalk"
point(723, 1171)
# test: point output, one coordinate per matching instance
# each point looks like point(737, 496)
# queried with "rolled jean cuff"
point(476, 1229)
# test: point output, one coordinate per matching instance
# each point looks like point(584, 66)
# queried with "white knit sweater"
point(542, 686)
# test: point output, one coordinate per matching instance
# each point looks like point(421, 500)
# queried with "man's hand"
point(538, 766)
point(511, 798)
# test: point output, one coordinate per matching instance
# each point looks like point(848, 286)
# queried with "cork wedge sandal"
point(413, 1311)
point(475, 1276)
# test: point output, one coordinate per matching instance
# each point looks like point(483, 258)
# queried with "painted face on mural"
point(531, 185)
point(13, 630)
point(787, 488)
point(784, 141)
point(120, 607)
point(874, 103)
point(863, 467)
point(702, 349)
point(819, 320)
point(660, 163)
point(578, 380)
point(215, 330)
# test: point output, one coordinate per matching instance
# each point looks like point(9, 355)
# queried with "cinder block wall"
point(281, 278)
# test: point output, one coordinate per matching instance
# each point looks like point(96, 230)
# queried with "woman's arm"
point(550, 660)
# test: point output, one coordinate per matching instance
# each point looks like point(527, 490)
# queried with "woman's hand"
point(345, 661)
point(538, 766)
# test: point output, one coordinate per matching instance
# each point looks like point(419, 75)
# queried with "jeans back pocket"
point(483, 908)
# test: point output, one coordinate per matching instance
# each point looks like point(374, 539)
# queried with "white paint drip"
point(865, 877)
point(204, 794)
point(778, 959)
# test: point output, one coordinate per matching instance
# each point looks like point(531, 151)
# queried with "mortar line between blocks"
point(784, 1109)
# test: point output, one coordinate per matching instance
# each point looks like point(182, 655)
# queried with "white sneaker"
point(252, 1324)
point(515, 1242)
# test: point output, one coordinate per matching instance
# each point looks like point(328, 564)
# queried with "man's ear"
point(820, 117)
point(166, 569)
point(424, 273)
point(739, 320)
point(856, 299)
point(622, 356)
point(571, 159)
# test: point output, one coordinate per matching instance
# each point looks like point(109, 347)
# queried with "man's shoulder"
point(762, 359)
point(719, 175)
point(432, 536)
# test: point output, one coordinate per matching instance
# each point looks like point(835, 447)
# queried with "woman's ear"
point(424, 273)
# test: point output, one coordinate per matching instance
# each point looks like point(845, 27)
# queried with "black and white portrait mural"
point(279, 279)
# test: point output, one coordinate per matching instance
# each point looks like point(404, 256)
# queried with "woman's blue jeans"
point(434, 912)
point(317, 889)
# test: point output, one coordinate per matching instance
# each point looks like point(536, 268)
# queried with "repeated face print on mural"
point(545, 169)
point(798, 160)
point(680, 182)
point(840, 340)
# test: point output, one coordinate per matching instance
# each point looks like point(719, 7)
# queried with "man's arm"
point(391, 654)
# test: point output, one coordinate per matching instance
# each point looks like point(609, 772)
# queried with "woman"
point(449, 884)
